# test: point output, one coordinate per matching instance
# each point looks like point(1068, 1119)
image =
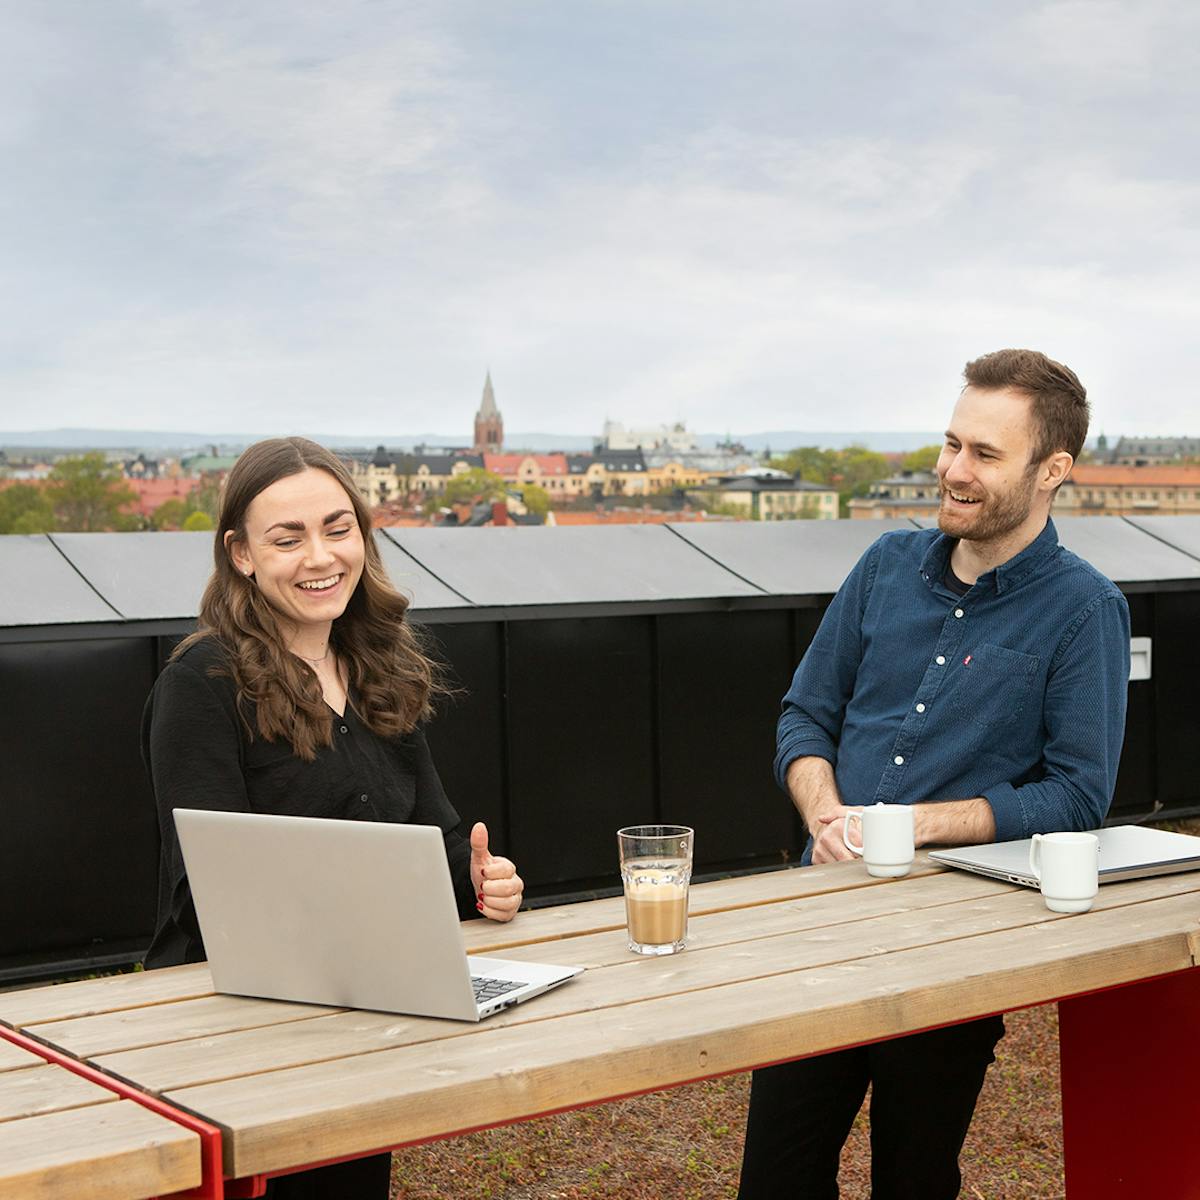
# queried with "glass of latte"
point(656, 866)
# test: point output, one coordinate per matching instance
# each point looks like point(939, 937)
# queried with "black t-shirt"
point(953, 582)
point(200, 755)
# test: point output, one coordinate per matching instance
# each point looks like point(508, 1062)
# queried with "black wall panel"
point(581, 742)
point(79, 851)
point(466, 737)
point(720, 679)
point(1137, 775)
point(1176, 673)
point(805, 622)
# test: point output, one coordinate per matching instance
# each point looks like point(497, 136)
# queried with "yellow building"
point(389, 477)
point(907, 494)
point(762, 498)
point(1129, 491)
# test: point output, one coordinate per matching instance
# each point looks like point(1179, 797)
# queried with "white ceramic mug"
point(1067, 867)
point(887, 838)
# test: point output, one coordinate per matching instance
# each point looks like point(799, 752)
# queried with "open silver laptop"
point(355, 914)
point(1126, 852)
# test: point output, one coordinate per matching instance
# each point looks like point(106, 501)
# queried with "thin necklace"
point(314, 661)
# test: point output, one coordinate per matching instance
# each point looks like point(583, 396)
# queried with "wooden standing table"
point(65, 1135)
point(779, 966)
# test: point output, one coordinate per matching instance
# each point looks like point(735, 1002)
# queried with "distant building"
point(905, 494)
point(662, 437)
point(772, 499)
point(1129, 491)
point(390, 477)
point(153, 492)
point(211, 463)
point(669, 469)
point(548, 471)
point(140, 468)
point(1149, 452)
point(489, 424)
point(625, 472)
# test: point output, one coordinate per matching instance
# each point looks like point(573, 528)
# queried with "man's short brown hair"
point(1057, 400)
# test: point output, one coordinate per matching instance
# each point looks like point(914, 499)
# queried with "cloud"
point(1115, 42)
point(351, 211)
point(345, 128)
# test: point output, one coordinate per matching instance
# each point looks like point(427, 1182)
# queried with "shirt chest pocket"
point(995, 685)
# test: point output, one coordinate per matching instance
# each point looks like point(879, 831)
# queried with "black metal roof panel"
point(1182, 532)
point(788, 558)
point(144, 576)
point(1122, 552)
point(148, 576)
point(422, 588)
point(580, 564)
point(1119, 548)
point(39, 587)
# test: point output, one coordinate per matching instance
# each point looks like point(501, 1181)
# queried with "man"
point(979, 673)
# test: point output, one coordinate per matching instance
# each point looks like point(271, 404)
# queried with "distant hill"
point(160, 441)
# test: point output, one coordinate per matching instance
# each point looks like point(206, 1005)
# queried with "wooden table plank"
point(591, 916)
point(28, 1006)
point(14, 1058)
point(120, 1151)
point(739, 925)
point(87, 1037)
point(502, 1073)
point(44, 1089)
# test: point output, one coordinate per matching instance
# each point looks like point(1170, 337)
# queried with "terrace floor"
point(686, 1144)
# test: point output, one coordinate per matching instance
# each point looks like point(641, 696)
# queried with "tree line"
point(87, 494)
point(852, 470)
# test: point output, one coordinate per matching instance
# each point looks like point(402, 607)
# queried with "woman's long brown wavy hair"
point(392, 679)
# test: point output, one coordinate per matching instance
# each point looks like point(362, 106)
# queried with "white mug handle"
point(846, 832)
point(1035, 858)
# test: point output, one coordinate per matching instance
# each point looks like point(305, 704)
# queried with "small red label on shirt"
point(967, 661)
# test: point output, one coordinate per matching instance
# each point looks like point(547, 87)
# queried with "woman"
point(301, 692)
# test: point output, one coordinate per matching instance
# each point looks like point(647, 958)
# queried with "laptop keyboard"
point(488, 988)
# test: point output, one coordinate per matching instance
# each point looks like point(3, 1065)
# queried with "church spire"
point(488, 407)
point(489, 424)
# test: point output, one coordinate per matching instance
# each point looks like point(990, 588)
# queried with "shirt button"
point(958, 612)
point(940, 660)
point(899, 760)
point(363, 798)
point(345, 728)
point(920, 708)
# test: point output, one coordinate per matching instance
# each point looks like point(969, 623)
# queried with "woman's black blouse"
point(199, 755)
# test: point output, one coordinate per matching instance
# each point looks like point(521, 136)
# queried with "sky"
point(295, 216)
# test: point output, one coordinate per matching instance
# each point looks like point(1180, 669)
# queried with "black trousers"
point(923, 1093)
point(359, 1179)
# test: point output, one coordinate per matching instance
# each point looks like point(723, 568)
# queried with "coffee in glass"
point(656, 867)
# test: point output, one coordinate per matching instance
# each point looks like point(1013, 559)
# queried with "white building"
point(663, 437)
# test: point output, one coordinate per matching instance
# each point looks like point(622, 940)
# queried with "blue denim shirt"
point(1015, 692)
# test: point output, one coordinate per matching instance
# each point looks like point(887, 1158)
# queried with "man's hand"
point(813, 789)
point(828, 845)
point(498, 887)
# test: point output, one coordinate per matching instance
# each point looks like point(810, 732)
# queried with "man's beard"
point(998, 515)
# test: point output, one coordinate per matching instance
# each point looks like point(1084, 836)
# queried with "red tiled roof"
point(510, 464)
point(1098, 475)
point(627, 516)
point(153, 492)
